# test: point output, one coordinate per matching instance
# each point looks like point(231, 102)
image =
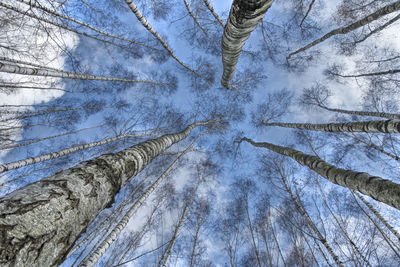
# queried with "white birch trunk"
point(10, 68)
point(40, 222)
point(343, 30)
point(393, 116)
point(243, 19)
point(147, 25)
point(33, 4)
point(101, 249)
point(376, 187)
point(386, 126)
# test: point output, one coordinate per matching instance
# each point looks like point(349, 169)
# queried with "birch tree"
point(34, 236)
point(376, 187)
point(243, 19)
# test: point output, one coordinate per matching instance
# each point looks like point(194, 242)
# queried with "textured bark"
point(363, 113)
point(343, 30)
point(101, 249)
point(243, 19)
point(210, 7)
point(34, 4)
point(376, 187)
point(147, 25)
point(387, 126)
point(25, 13)
point(40, 222)
point(310, 222)
point(10, 68)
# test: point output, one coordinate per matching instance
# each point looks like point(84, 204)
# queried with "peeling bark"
point(376, 187)
point(360, 23)
point(40, 222)
point(386, 126)
point(243, 19)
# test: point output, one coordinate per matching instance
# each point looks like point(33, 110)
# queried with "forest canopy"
point(199, 133)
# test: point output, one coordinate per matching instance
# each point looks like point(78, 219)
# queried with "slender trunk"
point(344, 231)
point(386, 126)
point(252, 233)
point(379, 189)
point(378, 215)
point(25, 13)
point(194, 18)
point(385, 72)
point(34, 88)
point(378, 29)
point(167, 253)
point(40, 222)
point(47, 138)
point(310, 222)
point(210, 7)
point(196, 238)
point(10, 68)
point(307, 13)
point(363, 113)
point(29, 161)
point(101, 249)
point(243, 19)
point(147, 25)
point(277, 243)
point(33, 4)
point(343, 30)
point(267, 248)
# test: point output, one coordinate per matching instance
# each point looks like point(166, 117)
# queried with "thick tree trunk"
point(10, 68)
point(378, 188)
point(40, 222)
point(343, 30)
point(243, 19)
point(147, 25)
point(387, 126)
point(101, 249)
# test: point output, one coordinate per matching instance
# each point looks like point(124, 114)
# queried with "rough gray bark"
point(101, 249)
point(40, 222)
point(243, 19)
point(376, 187)
point(147, 25)
point(386, 126)
point(343, 30)
point(10, 68)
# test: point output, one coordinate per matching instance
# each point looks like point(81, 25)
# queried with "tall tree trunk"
point(252, 232)
point(101, 249)
point(386, 126)
point(307, 217)
point(243, 19)
point(194, 18)
point(167, 253)
point(307, 13)
point(379, 189)
point(147, 25)
point(40, 222)
point(10, 68)
point(369, 74)
point(363, 113)
point(54, 13)
point(343, 30)
point(25, 13)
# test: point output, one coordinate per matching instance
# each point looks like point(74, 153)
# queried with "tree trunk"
point(10, 68)
point(243, 19)
point(363, 113)
point(40, 222)
point(147, 25)
point(343, 30)
point(379, 189)
point(101, 249)
point(386, 126)
point(209, 6)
